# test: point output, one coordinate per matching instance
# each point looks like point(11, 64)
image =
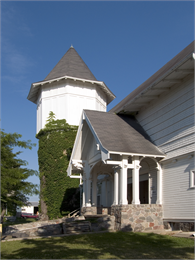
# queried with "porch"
point(129, 188)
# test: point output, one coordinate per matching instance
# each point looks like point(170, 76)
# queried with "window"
point(192, 179)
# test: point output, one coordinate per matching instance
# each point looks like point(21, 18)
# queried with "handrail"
point(74, 211)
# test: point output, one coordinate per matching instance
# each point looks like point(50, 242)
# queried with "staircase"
point(76, 227)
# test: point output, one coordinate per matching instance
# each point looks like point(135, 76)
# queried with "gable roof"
point(71, 64)
point(171, 74)
point(121, 134)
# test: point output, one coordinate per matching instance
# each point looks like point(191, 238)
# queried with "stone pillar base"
point(88, 211)
point(138, 218)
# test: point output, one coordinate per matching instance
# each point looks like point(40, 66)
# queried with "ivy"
point(58, 191)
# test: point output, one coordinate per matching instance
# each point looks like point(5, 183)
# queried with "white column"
point(88, 185)
point(116, 185)
point(135, 180)
point(123, 181)
point(88, 199)
point(94, 190)
point(159, 185)
point(84, 192)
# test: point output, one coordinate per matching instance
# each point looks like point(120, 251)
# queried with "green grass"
point(19, 221)
point(118, 245)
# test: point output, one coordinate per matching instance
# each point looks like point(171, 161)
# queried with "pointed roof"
point(70, 67)
point(71, 64)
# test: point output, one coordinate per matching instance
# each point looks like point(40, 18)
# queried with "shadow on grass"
point(119, 245)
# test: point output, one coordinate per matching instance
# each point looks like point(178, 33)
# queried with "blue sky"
point(123, 44)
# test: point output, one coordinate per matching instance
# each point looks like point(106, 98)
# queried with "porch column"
point(88, 199)
point(159, 185)
point(135, 180)
point(84, 192)
point(123, 181)
point(88, 185)
point(116, 184)
point(94, 190)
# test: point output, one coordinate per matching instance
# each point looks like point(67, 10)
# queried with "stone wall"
point(88, 211)
point(184, 226)
point(96, 210)
point(138, 218)
point(38, 228)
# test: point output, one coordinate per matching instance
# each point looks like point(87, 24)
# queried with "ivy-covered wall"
point(58, 192)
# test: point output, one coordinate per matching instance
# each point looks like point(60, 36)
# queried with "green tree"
point(15, 187)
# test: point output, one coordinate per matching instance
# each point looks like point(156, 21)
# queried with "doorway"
point(143, 192)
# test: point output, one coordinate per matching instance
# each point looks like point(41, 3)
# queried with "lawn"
point(117, 245)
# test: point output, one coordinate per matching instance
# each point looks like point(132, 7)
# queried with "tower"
point(68, 89)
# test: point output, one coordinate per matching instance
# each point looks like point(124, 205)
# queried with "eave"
point(33, 93)
point(175, 72)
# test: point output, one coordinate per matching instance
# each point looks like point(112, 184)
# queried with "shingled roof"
point(121, 133)
point(71, 64)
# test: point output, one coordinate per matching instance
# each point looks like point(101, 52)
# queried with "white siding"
point(169, 121)
point(67, 101)
point(178, 197)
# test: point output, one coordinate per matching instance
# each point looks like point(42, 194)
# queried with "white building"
point(32, 208)
point(68, 89)
point(137, 160)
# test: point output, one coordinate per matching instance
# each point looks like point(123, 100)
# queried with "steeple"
point(71, 64)
point(68, 89)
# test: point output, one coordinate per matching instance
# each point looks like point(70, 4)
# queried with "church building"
point(135, 162)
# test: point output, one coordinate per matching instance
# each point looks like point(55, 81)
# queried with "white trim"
point(176, 219)
point(137, 154)
point(192, 178)
point(69, 170)
point(156, 82)
point(100, 83)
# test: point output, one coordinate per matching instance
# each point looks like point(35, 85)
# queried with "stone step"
point(84, 226)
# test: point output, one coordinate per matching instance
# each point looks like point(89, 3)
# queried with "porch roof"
point(121, 133)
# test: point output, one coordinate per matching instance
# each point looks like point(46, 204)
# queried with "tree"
point(15, 188)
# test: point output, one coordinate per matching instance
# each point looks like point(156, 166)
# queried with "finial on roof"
point(71, 46)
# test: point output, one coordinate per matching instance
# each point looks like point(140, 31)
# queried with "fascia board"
point(102, 85)
point(104, 152)
point(156, 82)
point(137, 154)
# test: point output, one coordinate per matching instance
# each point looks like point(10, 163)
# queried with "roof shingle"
point(71, 64)
point(121, 133)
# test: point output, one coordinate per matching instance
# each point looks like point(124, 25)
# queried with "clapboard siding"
point(169, 121)
point(167, 103)
point(178, 197)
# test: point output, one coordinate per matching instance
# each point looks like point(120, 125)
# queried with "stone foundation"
point(138, 218)
point(88, 211)
point(95, 211)
point(184, 226)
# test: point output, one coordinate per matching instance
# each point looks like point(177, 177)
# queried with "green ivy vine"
point(59, 192)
